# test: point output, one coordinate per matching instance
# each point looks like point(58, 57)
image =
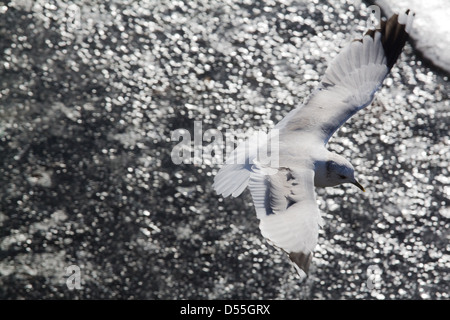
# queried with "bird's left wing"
point(286, 205)
point(351, 80)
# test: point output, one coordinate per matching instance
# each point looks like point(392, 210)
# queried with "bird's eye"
point(342, 176)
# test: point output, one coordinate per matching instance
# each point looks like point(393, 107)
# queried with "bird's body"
point(283, 195)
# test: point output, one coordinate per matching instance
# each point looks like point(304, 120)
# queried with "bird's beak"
point(356, 183)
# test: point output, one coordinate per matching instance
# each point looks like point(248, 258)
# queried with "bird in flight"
point(283, 195)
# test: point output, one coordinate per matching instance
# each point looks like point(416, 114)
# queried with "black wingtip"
point(393, 37)
point(302, 260)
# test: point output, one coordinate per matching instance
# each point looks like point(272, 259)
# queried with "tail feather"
point(232, 179)
point(234, 176)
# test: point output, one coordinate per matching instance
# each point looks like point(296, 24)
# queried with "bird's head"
point(340, 170)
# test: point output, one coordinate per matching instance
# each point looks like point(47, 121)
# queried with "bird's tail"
point(232, 179)
point(234, 176)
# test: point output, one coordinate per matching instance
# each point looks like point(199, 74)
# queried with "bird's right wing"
point(286, 205)
point(350, 82)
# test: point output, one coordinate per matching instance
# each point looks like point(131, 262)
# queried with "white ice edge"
point(431, 27)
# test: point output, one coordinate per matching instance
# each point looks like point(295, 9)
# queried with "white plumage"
point(285, 200)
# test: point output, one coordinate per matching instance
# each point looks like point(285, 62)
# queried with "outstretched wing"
point(286, 205)
point(351, 80)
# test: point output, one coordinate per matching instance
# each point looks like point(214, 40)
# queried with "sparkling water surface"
point(90, 92)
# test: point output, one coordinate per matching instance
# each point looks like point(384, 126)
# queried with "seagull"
point(283, 195)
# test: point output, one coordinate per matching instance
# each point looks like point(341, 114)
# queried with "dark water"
point(90, 93)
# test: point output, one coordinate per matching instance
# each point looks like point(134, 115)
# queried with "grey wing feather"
point(351, 80)
point(286, 206)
